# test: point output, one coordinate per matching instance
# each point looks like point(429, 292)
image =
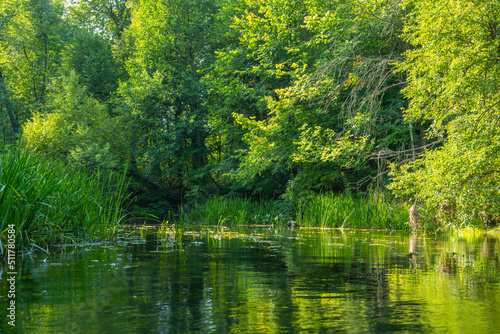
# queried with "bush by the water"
point(50, 203)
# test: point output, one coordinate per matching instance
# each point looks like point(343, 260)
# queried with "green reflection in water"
point(257, 281)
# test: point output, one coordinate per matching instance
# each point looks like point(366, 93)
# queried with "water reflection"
point(258, 281)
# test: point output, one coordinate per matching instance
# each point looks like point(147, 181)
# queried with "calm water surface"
point(260, 281)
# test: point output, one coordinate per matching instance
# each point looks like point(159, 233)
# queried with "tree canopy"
point(266, 99)
point(453, 83)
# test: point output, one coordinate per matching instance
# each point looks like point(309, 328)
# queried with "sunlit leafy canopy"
point(108, 17)
point(453, 81)
point(327, 90)
point(30, 45)
point(453, 69)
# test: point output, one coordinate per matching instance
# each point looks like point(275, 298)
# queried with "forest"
point(286, 101)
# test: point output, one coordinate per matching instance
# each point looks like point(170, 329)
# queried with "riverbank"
point(46, 203)
point(371, 210)
point(345, 210)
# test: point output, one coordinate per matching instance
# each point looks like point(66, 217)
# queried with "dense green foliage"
point(453, 83)
point(328, 94)
point(50, 203)
point(77, 126)
point(265, 100)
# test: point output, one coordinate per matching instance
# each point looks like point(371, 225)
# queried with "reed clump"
point(345, 210)
point(348, 210)
point(239, 211)
point(50, 203)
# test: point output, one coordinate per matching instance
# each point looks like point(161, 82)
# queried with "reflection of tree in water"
point(448, 263)
point(489, 247)
point(360, 283)
point(414, 242)
point(486, 250)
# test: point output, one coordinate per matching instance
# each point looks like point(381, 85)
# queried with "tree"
point(77, 128)
point(453, 83)
point(108, 17)
point(91, 57)
point(7, 106)
point(30, 44)
point(329, 95)
point(174, 45)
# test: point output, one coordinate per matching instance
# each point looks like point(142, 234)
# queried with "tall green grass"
point(235, 210)
point(50, 203)
point(346, 210)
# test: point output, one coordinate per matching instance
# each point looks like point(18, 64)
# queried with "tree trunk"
point(414, 218)
point(423, 140)
point(7, 104)
point(12, 117)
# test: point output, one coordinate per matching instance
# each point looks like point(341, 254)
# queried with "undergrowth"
point(346, 210)
point(239, 211)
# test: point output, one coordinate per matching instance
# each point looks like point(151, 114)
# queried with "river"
point(256, 280)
